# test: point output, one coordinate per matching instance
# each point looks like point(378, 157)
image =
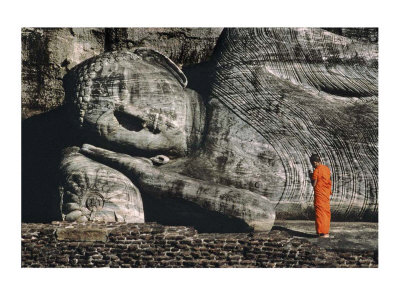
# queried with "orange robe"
point(322, 192)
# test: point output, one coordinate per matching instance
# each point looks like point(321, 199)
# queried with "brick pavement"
point(152, 245)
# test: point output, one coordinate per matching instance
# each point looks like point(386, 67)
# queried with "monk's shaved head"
point(315, 158)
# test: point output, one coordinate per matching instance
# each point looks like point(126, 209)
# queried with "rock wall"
point(184, 46)
point(48, 53)
point(152, 245)
point(361, 34)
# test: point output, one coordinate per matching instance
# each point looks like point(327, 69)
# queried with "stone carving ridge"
point(307, 90)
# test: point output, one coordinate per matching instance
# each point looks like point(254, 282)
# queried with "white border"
point(192, 283)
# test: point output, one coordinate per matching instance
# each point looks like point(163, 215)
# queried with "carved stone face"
point(134, 102)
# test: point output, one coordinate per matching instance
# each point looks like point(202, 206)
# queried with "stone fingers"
point(107, 157)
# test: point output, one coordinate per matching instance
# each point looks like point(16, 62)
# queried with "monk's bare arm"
point(314, 177)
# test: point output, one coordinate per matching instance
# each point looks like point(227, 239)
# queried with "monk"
point(321, 180)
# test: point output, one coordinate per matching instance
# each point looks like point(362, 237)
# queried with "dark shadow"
point(43, 138)
point(294, 232)
point(179, 212)
point(199, 77)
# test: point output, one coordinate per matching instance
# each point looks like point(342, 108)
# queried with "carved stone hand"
point(254, 209)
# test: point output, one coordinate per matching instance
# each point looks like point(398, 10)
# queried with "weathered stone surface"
point(272, 97)
point(135, 102)
point(81, 235)
point(234, 154)
point(292, 92)
point(305, 90)
point(47, 55)
point(254, 209)
point(359, 33)
point(96, 192)
point(184, 46)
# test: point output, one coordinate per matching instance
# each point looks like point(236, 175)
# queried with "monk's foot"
point(324, 235)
